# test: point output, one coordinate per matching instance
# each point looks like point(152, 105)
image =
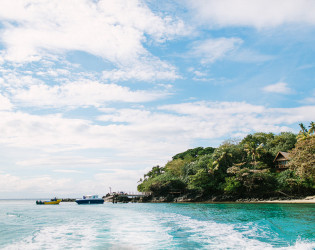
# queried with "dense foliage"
point(239, 169)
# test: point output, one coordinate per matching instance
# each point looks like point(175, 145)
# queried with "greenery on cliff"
point(239, 169)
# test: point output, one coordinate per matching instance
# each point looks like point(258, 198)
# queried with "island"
point(260, 167)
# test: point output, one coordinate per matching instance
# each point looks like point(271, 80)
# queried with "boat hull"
point(89, 201)
point(48, 202)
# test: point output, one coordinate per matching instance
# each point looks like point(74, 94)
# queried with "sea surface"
point(24, 225)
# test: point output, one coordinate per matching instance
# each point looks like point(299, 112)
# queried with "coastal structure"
point(281, 161)
point(126, 197)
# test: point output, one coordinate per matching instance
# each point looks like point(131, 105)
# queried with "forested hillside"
point(239, 169)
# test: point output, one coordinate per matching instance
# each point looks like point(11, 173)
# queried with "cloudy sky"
point(93, 93)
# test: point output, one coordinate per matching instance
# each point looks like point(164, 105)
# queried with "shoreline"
point(306, 200)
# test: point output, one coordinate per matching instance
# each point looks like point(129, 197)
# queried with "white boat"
point(90, 199)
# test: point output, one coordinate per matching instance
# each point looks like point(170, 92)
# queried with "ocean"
point(24, 225)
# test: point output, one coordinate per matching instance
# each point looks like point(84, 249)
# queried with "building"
point(281, 161)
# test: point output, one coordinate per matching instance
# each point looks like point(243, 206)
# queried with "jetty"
point(125, 197)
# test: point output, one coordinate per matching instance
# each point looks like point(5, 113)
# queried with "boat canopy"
point(90, 197)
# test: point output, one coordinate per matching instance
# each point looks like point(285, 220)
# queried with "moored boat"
point(90, 199)
point(54, 201)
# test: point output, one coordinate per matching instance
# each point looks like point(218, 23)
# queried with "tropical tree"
point(303, 158)
point(175, 167)
point(285, 141)
point(311, 128)
point(304, 132)
point(249, 182)
point(224, 157)
point(157, 170)
point(254, 147)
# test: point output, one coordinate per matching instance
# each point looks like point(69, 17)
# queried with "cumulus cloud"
point(113, 30)
point(126, 135)
point(81, 94)
point(5, 103)
point(43, 186)
point(120, 179)
point(52, 161)
point(35, 185)
point(151, 133)
point(280, 88)
point(254, 13)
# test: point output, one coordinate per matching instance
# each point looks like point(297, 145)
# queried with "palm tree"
point(304, 133)
point(221, 155)
point(254, 151)
point(312, 128)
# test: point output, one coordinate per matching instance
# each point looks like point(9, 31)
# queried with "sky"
point(94, 93)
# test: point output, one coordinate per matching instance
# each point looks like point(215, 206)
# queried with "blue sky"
point(95, 93)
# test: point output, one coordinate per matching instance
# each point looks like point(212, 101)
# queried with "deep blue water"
point(24, 225)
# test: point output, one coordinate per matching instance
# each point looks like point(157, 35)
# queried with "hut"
point(281, 161)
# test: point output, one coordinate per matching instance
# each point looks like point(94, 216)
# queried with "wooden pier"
point(125, 197)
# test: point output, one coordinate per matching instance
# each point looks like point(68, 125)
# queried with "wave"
point(57, 237)
point(135, 227)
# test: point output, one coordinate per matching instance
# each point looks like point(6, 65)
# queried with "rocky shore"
point(199, 199)
point(223, 199)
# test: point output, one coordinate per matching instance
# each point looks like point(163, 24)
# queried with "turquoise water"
point(24, 225)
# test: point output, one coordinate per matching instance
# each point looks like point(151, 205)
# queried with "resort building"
point(281, 161)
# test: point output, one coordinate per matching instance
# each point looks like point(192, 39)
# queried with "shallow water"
point(24, 225)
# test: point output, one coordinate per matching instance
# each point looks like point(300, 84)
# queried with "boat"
point(90, 199)
point(54, 201)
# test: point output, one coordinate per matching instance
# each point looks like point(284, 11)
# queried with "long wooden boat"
point(51, 202)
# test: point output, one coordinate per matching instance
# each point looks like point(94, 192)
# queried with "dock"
point(126, 197)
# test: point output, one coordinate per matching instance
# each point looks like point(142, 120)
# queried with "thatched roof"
point(282, 156)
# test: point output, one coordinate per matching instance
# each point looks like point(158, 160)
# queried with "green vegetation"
point(243, 169)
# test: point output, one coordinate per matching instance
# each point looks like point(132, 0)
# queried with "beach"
point(308, 199)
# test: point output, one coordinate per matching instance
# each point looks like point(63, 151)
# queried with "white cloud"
point(249, 56)
point(68, 171)
point(47, 186)
point(211, 50)
point(280, 88)
point(128, 139)
point(254, 13)
point(30, 186)
point(52, 161)
point(113, 30)
point(81, 93)
point(151, 134)
point(148, 70)
point(310, 99)
point(120, 179)
point(199, 73)
point(5, 103)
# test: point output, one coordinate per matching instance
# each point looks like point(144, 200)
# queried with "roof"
point(285, 155)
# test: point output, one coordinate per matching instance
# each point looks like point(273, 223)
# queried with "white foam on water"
point(58, 237)
point(13, 215)
point(212, 235)
point(127, 228)
point(301, 245)
point(136, 230)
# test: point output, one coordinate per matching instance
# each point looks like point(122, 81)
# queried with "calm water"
point(24, 225)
